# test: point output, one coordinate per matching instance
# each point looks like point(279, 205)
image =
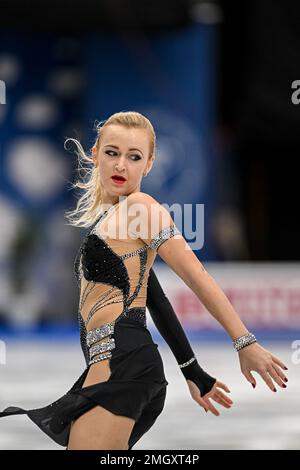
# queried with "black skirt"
point(136, 388)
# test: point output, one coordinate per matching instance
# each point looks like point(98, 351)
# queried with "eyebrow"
point(116, 147)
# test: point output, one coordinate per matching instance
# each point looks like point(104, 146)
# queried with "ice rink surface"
point(37, 373)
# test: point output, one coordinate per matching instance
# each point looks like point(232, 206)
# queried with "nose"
point(120, 165)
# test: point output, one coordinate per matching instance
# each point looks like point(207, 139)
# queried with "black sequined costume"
point(112, 274)
point(137, 385)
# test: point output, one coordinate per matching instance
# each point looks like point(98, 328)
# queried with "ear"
point(149, 165)
point(94, 154)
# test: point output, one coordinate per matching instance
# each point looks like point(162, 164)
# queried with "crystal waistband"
point(99, 333)
point(102, 347)
point(101, 357)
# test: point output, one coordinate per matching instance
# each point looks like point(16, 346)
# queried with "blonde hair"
point(87, 208)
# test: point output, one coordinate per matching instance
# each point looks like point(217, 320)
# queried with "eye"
point(138, 157)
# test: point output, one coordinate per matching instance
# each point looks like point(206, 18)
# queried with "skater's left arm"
point(176, 252)
point(179, 256)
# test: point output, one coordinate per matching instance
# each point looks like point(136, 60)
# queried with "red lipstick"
point(118, 179)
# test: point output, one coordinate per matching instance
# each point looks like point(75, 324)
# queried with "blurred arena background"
point(219, 81)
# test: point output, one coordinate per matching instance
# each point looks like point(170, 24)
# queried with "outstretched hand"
point(215, 394)
point(255, 357)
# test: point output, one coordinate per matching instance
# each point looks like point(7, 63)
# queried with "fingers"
point(222, 385)
point(201, 402)
point(279, 362)
point(212, 408)
point(273, 373)
point(206, 404)
point(266, 377)
point(250, 378)
point(216, 395)
point(223, 397)
point(223, 400)
point(280, 373)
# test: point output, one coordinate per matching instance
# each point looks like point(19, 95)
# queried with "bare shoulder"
point(141, 197)
point(146, 204)
point(150, 212)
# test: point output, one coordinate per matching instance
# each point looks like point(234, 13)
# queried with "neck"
point(113, 200)
point(108, 198)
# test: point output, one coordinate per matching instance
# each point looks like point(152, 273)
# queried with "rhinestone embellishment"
point(102, 347)
point(97, 263)
point(244, 341)
point(100, 358)
point(185, 364)
point(163, 236)
point(99, 333)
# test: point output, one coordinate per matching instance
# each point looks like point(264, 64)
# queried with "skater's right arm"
point(169, 326)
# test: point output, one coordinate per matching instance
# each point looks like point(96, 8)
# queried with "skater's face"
point(124, 152)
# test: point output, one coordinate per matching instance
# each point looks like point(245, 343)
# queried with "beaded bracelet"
point(243, 341)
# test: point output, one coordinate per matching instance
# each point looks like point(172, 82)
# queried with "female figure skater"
point(122, 390)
